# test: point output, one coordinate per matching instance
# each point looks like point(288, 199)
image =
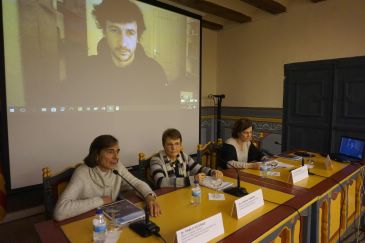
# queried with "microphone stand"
point(145, 227)
point(219, 115)
point(309, 173)
point(236, 191)
point(219, 112)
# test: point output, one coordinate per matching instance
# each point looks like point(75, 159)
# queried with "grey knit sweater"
point(179, 173)
point(88, 185)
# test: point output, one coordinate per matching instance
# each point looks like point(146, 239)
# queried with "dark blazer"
point(228, 152)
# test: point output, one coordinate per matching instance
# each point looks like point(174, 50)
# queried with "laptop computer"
point(350, 150)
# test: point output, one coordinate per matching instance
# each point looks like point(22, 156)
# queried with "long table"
point(291, 213)
point(178, 213)
point(337, 192)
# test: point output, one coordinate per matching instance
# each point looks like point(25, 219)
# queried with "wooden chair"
point(53, 186)
point(2, 195)
point(257, 139)
point(144, 170)
point(208, 154)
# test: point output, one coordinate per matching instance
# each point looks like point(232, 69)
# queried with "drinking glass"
point(113, 224)
point(310, 163)
point(216, 182)
point(264, 169)
point(113, 231)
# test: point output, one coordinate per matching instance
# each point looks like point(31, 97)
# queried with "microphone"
point(309, 173)
point(145, 227)
point(236, 191)
point(222, 96)
point(266, 152)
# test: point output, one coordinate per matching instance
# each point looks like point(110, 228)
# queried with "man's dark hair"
point(99, 143)
point(119, 11)
point(239, 126)
point(171, 133)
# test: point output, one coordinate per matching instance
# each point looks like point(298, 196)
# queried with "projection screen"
point(73, 72)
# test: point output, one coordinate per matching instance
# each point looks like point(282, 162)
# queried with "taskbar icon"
point(64, 109)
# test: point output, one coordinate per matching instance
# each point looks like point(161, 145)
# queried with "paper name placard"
point(328, 163)
point(249, 203)
point(202, 231)
point(299, 174)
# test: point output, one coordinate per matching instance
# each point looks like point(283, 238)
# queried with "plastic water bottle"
point(196, 194)
point(99, 226)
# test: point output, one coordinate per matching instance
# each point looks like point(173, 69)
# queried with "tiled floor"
point(21, 231)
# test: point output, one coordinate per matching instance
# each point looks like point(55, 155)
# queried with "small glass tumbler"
point(113, 223)
point(216, 183)
point(264, 168)
point(310, 163)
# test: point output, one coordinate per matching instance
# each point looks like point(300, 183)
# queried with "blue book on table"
point(125, 212)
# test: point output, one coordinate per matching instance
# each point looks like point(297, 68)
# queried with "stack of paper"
point(209, 182)
point(124, 212)
point(289, 156)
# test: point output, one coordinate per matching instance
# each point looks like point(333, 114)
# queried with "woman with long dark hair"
point(238, 151)
point(94, 184)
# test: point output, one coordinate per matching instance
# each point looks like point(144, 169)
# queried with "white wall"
point(209, 65)
point(251, 57)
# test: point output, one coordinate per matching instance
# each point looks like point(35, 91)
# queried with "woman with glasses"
point(94, 184)
point(238, 151)
point(173, 168)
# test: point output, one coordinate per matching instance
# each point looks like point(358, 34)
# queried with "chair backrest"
point(53, 186)
point(144, 169)
point(208, 154)
point(257, 139)
point(2, 195)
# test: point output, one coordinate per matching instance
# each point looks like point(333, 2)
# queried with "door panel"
point(349, 93)
point(323, 100)
point(310, 94)
point(308, 138)
point(307, 106)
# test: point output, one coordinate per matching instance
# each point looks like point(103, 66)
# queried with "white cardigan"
point(87, 186)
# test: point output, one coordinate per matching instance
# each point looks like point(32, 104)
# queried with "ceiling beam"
point(211, 25)
point(270, 6)
point(212, 8)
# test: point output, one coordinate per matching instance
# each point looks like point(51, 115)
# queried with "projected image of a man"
point(121, 71)
point(122, 41)
point(122, 24)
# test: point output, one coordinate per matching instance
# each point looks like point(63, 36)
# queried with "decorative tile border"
point(265, 120)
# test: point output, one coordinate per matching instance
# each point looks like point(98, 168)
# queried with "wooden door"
point(308, 106)
point(349, 100)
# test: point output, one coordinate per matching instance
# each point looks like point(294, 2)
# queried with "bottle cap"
point(99, 210)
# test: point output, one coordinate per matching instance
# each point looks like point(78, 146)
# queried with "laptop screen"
point(352, 147)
